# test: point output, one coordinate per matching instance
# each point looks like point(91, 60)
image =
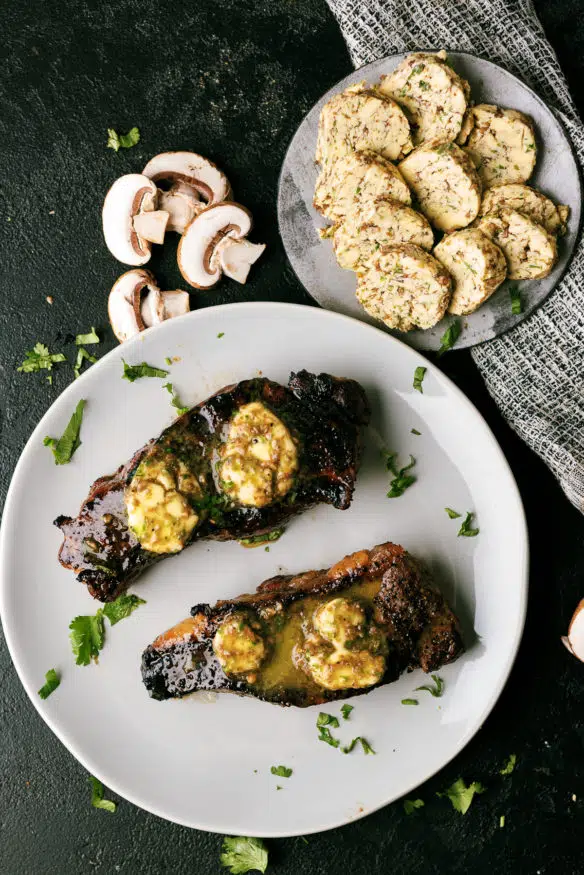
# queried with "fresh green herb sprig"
point(462, 796)
point(241, 854)
point(40, 359)
point(449, 337)
point(175, 400)
point(346, 711)
point(137, 372)
point(466, 531)
point(97, 799)
point(281, 771)
point(87, 632)
point(401, 479)
point(410, 805)
point(117, 141)
point(63, 448)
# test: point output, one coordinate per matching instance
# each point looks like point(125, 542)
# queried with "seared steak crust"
point(324, 414)
point(422, 630)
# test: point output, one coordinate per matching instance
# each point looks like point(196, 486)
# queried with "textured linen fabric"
point(535, 372)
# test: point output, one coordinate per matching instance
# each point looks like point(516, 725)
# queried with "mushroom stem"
point(182, 203)
point(237, 256)
point(151, 225)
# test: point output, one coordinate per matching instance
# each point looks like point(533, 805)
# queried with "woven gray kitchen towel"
point(535, 372)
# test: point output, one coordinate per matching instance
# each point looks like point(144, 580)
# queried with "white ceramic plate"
point(556, 174)
point(208, 765)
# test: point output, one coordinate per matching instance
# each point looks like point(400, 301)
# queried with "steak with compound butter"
point(311, 638)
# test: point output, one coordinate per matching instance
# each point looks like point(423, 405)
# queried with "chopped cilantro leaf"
point(465, 529)
point(281, 771)
point(401, 480)
point(436, 690)
point(419, 378)
point(324, 734)
point(122, 607)
point(87, 339)
point(82, 355)
point(461, 796)
point(449, 337)
point(116, 141)
point(410, 805)
point(52, 681)
point(64, 447)
point(367, 749)
point(516, 304)
point(509, 765)
point(221, 334)
point(423, 85)
point(175, 400)
point(502, 821)
point(136, 372)
point(410, 702)
point(452, 513)
point(87, 636)
point(324, 719)
point(415, 431)
point(40, 359)
point(258, 540)
point(346, 710)
point(97, 799)
point(242, 854)
point(168, 360)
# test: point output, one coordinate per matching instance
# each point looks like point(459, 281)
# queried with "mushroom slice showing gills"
point(129, 197)
point(136, 303)
point(199, 252)
point(192, 170)
point(574, 640)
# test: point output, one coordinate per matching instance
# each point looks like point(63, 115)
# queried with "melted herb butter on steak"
point(159, 501)
point(238, 644)
point(259, 458)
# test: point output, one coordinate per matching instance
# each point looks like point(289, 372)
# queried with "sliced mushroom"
point(237, 256)
point(151, 226)
point(136, 303)
point(182, 203)
point(200, 241)
point(194, 170)
point(129, 197)
point(574, 641)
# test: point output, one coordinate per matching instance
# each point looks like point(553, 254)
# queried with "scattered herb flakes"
point(419, 374)
point(367, 749)
point(258, 540)
point(423, 85)
point(87, 339)
point(509, 765)
point(97, 799)
point(87, 636)
point(502, 821)
point(346, 710)
point(415, 431)
point(516, 304)
point(175, 400)
point(410, 702)
point(168, 360)
point(324, 734)
point(40, 359)
point(278, 787)
point(117, 141)
point(122, 607)
point(136, 372)
point(410, 805)
point(401, 480)
point(52, 681)
point(465, 530)
point(281, 771)
point(220, 335)
point(82, 355)
point(452, 513)
point(449, 337)
point(349, 747)
point(324, 719)
point(436, 690)
point(64, 447)
point(461, 796)
point(242, 854)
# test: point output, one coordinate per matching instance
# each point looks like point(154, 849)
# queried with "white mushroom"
point(129, 197)
point(191, 169)
point(198, 259)
point(151, 226)
point(574, 640)
point(182, 203)
point(136, 303)
point(237, 256)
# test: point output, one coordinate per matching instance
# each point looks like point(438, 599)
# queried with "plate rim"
point(342, 83)
point(12, 497)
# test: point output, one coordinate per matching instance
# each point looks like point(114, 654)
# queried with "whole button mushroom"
point(136, 303)
point(130, 219)
point(574, 640)
point(214, 243)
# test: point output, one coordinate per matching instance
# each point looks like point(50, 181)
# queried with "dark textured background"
point(232, 80)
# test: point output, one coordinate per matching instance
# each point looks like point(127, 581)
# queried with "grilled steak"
point(236, 466)
point(311, 638)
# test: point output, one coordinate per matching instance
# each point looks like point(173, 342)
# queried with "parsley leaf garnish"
point(136, 372)
point(82, 355)
point(401, 480)
point(175, 400)
point(436, 690)
point(410, 805)
point(242, 854)
point(87, 339)
point(220, 335)
point(465, 529)
point(449, 337)
point(87, 636)
point(367, 749)
point(281, 771)
point(40, 359)
point(346, 710)
point(509, 765)
point(324, 719)
point(419, 378)
point(461, 796)
point(122, 607)
point(415, 431)
point(52, 681)
point(97, 799)
point(324, 734)
point(116, 141)
point(452, 513)
point(64, 447)
point(410, 702)
point(516, 305)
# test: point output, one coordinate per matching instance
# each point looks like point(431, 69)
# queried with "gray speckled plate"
point(556, 175)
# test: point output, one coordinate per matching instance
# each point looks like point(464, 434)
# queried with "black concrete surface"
point(232, 80)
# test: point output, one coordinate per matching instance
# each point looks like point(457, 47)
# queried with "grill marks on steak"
point(421, 628)
point(323, 413)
